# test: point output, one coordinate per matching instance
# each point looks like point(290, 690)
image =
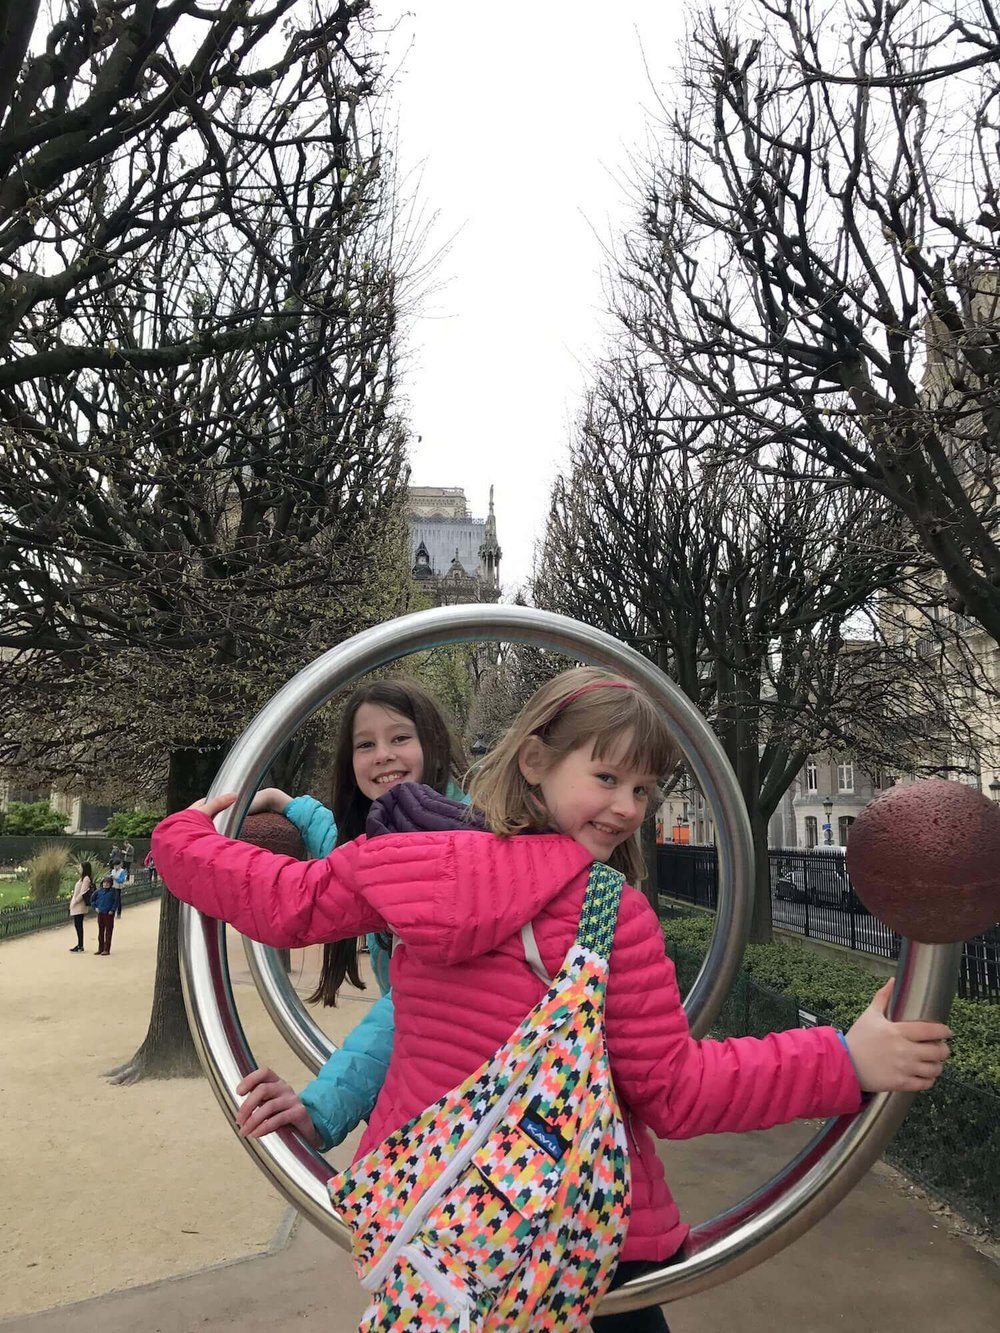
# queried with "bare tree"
point(131, 123)
point(758, 595)
point(203, 473)
point(817, 258)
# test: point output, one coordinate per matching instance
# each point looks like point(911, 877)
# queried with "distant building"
point(454, 557)
point(829, 793)
point(84, 816)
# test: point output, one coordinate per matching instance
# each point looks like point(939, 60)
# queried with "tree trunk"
point(167, 1050)
point(647, 845)
point(761, 931)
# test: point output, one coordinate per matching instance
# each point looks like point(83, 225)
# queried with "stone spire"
point(489, 551)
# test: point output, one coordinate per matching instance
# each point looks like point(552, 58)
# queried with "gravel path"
point(105, 1187)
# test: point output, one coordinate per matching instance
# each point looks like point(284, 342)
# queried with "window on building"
point(845, 776)
point(812, 831)
point(844, 827)
point(878, 778)
point(812, 776)
point(964, 768)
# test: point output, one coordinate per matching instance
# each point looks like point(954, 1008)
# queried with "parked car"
point(820, 882)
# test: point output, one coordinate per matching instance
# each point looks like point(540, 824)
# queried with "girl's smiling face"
point(387, 750)
point(600, 803)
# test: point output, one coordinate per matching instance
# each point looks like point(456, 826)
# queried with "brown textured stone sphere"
point(274, 833)
point(925, 859)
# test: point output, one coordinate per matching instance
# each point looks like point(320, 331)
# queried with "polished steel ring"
point(746, 1234)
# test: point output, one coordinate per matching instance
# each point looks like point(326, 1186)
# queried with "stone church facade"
point(455, 558)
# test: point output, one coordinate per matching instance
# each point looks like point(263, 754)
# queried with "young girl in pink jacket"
point(578, 772)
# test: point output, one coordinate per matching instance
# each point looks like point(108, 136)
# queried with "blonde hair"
point(584, 704)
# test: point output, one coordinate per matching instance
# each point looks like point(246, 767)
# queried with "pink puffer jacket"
point(460, 983)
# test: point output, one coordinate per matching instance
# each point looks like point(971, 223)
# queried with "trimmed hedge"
point(837, 992)
point(88, 846)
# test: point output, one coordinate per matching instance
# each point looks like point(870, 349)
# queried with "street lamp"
point(995, 789)
point(827, 825)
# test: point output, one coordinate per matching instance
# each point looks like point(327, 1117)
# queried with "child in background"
point(577, 772)
point(118, 881)
point(105, 900)
point(390, 732)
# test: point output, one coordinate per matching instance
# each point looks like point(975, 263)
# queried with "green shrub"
point(836, 992)
point(45, 872)
point(132, 823)
point(25, 819)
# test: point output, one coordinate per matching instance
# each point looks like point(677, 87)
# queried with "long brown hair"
point(443, 763)
point(585, 705)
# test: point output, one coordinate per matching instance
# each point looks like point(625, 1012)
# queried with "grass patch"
point(16, 891)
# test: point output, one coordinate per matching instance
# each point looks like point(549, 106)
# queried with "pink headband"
point(592, 685)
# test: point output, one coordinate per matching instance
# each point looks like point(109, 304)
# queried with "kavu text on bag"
point(504, 1205)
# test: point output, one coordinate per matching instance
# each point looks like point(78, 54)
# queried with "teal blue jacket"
point(345, 1090)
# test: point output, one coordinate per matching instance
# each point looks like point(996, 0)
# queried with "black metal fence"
point(811, 894)
point(949, 1141)
point(23, 918)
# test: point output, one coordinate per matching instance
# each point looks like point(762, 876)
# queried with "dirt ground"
point(104, 1187)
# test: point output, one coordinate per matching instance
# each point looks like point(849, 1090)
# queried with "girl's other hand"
point(896, 1057)
point(213, 805)
point(270, 801)
point(270, 1103)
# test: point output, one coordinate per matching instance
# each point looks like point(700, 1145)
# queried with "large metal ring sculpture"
point(727, 1245)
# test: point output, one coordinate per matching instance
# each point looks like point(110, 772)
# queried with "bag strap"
point(599, 914)
point(598, 918)
point(532, 955)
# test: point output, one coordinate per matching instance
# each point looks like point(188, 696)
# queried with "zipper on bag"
point(376, 1275)
point(442, 1289)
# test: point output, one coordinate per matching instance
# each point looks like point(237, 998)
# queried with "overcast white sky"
point(522, 116)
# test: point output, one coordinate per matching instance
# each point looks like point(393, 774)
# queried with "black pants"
point(78, 922)
point(647, 1320)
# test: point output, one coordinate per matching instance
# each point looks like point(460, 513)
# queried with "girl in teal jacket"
point(391, 732)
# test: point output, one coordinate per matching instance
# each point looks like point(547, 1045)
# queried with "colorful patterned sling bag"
point(504, 1205)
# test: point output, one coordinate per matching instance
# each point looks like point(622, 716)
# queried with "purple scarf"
point(413, 808)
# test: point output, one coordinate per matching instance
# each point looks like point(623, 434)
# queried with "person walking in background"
point(114, 856)
point(80, 901)
point(104, 900)
point(128, 856)
point(150, 865)
point(118, 879)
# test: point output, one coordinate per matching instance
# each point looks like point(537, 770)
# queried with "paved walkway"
point(881, 1263)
